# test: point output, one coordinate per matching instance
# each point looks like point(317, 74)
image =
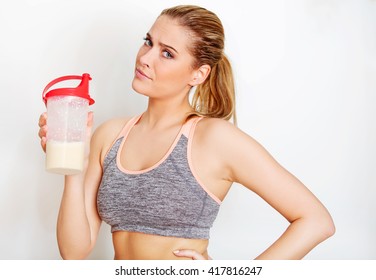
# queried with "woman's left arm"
point(253, 167)
point(245, 161)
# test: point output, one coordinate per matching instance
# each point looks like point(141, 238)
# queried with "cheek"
point(175, 73)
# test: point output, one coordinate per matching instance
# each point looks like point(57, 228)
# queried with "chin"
point(139, 89)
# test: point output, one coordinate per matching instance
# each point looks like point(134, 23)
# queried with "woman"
point(158, 179)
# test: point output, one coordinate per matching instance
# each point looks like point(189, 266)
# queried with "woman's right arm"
point(78, 220)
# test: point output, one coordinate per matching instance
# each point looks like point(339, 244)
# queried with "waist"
point(141, 246)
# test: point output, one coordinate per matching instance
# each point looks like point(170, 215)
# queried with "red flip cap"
point(82, 90)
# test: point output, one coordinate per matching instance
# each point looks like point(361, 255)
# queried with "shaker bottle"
point(67, 110)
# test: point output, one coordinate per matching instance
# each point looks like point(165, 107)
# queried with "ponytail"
point(216, 96)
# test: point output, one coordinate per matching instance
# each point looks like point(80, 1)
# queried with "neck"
point(162, 113)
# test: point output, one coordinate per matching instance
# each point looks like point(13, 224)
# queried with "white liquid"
point(65, 158)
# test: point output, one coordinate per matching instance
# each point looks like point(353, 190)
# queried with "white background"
point(305, 78)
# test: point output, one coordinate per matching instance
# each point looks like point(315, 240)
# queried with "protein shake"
point(67, 111)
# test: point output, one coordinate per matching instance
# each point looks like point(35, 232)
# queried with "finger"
point(42, 131)
point(90, 118)
point(43, 142)
point(42, 119)
point(90, 122)
point(189, 254)
point(89, 128)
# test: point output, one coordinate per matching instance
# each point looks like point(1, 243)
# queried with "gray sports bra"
point(166, 199)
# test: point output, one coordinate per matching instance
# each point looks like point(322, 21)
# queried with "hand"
point(194, 255)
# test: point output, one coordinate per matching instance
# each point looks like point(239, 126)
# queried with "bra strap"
point(128, 126)
point(189, 125)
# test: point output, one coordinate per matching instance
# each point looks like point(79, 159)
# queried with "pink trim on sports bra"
point(190, 162)
point(187, 129)
point(126, 133)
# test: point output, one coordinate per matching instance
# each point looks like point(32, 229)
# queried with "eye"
point(148, 42)
point(167, 54)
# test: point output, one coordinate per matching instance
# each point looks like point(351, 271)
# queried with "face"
point(163, 64)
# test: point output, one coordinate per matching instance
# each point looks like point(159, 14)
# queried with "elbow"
point(72, 256)
point(325, 227)
point(73, 253)
point(329, 229)
point(317, 227)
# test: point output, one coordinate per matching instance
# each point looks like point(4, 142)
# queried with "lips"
point(141, 74)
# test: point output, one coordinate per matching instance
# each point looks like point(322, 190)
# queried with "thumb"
point(192, 254)
point(89, 128)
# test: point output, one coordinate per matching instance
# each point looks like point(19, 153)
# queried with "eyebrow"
point(164, 45)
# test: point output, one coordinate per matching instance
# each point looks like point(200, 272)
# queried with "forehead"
point(166, 30)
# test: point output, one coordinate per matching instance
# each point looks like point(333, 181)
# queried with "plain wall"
point(305, 80)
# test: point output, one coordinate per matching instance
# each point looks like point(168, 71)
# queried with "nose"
point(146, 57)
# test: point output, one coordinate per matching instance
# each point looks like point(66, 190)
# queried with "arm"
point(256, 169)
point(78, 222)
point(239, 158)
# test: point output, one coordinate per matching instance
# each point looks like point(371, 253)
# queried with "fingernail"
point(176, 252)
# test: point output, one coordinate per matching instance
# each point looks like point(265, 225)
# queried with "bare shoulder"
point(222, 139)
point(209, 127)
point(105, 134)
point(110, 128)
point(221, 131)
point(233, 148)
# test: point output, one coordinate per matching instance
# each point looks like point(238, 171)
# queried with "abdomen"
point(141, 246)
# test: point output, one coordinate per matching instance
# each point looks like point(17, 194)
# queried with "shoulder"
point(208, 126)
point(231, 151)
point(219, 130)
point(222, 138)
point(227, 142)
point(110, 128)
point(106, 133)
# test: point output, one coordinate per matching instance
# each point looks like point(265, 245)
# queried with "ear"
point(200, 75)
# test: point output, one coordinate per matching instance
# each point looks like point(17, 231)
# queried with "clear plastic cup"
point(67, 112)
point(66, 135)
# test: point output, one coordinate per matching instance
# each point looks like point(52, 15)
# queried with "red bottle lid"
point(82, 90)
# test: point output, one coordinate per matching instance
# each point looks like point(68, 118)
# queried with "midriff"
point(141, 246)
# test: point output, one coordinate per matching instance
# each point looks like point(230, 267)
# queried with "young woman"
point(158, 179)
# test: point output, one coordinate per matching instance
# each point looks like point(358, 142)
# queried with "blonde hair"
point(215, 97)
